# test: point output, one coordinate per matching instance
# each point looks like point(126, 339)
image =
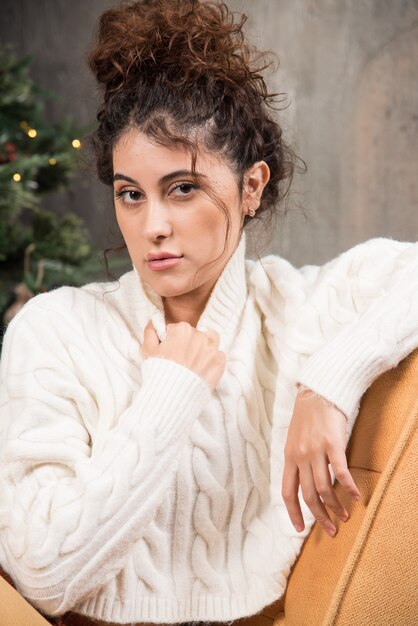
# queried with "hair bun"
point(177, 40)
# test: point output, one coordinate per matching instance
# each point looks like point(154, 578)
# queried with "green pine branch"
point(36, 157)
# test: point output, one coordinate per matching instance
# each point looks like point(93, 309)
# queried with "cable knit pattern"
point(129, 492)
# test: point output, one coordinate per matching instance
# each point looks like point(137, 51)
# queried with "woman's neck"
point(187, 307)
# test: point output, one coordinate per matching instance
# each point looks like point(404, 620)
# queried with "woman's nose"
point(157, 223)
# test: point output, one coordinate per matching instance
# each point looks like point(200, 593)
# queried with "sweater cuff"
point(170, 399)
point(344, 368)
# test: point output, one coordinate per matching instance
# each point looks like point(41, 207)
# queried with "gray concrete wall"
point(350, 72)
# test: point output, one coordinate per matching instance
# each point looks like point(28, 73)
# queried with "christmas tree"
point(38, 249)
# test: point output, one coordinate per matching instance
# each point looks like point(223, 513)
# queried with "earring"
point(251, 212)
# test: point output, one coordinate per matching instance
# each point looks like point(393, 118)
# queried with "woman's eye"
point(132, 196)
point(184, 189)
point(129, 196)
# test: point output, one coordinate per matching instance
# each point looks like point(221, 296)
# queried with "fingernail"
point(331, 531)
point(298, 527)
point(356, 497)
point(345, 516)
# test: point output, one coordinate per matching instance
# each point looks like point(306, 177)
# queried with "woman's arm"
point(364, 311)
point(346, 323)
point(71, 507)
point(382, 279)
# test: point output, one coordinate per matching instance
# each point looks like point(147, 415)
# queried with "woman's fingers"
point(213, 336)
point(151, 341)
point(338, 461)
point(290, 487)
point(312, 499)
point(292, 476)
point(317, 489)
point(197, 350)
point(324, 488)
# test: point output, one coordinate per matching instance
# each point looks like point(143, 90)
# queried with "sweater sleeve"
point(365, 303)
point(345, 322)
point(72, 505)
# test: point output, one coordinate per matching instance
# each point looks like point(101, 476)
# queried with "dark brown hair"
point(182, 72)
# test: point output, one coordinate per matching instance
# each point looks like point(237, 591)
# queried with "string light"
point(28, 130)
point(76, 143)
point(17, 177)
point(52, 161)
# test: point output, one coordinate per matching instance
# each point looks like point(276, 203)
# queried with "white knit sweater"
point(129, 491)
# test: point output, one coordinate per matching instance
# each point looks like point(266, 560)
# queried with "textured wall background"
point(350, 72)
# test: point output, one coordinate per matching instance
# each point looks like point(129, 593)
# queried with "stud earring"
point(251, 212)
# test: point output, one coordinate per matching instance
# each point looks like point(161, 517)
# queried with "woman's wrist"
point(305, 391)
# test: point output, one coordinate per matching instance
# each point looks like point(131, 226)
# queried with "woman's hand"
point(197, 350)
point(316, 437)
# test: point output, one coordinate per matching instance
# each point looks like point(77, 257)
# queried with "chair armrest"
point(14, 609)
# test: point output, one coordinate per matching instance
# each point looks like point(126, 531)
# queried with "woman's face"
point(162, 212)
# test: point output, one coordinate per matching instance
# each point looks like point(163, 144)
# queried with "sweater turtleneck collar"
point(221, 313)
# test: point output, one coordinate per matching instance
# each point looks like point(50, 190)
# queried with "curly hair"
point(182, 72)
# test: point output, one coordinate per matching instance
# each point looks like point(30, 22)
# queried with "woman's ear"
point(255, 179)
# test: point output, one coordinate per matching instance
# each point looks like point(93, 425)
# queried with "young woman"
point(168, 439)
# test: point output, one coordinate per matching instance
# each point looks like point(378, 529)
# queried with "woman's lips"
point(164, 264)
